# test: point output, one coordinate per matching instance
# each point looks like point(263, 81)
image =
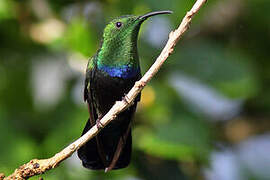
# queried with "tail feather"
point(109, 137)
point(88, 153)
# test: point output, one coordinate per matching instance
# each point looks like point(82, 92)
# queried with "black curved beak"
point(144, 17)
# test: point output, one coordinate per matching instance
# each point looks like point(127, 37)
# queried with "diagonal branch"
point(36, 166)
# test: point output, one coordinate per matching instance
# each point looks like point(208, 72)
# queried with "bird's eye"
point(118, 24)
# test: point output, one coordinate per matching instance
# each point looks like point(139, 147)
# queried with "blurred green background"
point(205, 115)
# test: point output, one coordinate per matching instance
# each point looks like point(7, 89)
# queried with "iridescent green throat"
point(118, 55)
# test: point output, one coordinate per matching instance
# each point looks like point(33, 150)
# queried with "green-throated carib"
point(111, 73)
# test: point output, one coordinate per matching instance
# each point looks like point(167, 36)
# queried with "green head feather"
point(119, 46)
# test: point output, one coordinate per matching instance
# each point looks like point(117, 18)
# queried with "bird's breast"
point(108, 88)
point(123, 71)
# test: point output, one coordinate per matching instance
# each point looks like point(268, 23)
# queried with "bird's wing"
point(88, 97)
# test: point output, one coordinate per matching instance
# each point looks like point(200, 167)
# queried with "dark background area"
point(205, 115)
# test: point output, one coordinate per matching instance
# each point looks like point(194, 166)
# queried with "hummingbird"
point(110, 74)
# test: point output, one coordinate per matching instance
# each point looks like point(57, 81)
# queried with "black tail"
point(109, 139)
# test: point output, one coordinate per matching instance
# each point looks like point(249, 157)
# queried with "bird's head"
point(125, 28)
point(119, 45)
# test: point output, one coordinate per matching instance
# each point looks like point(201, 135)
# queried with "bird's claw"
point(125, 98)
point(99, 124)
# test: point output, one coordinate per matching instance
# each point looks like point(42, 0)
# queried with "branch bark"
point(36, 166)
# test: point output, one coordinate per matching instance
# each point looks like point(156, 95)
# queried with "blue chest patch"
point(124, 71)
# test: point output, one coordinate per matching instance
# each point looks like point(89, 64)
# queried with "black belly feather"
point(105, 91)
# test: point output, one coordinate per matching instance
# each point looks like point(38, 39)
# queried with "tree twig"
point(36, 166)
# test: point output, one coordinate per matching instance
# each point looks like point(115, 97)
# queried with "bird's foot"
point(125, 98)
point(99, 124)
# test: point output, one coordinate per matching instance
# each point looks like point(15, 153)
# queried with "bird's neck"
point(119, 57)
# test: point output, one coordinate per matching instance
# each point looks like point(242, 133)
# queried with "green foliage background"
point(44, 47)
